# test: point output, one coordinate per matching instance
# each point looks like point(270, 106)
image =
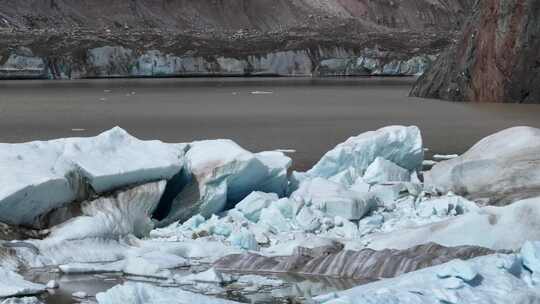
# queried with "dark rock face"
point(497, 58)
point(119, 38)
point(335, 262)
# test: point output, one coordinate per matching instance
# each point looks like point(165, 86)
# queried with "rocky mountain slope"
point(497, 58)
point(73, 39)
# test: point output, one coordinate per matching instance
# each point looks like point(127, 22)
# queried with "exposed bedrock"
point(334, 261)
point(66, 39)
point(497, 58)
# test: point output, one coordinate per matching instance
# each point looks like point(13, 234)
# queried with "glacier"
point(211, 205)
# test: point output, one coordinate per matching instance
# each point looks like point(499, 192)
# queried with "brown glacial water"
point(307, 115)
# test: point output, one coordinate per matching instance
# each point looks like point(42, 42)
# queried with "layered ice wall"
point(38, 177)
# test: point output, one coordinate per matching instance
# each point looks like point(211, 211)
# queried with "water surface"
point(308, 115)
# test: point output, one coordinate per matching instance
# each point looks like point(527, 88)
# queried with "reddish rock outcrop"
point(497, 58)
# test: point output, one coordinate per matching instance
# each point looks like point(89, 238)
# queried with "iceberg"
point(208, 276)
point(494, 171)
point(220, 173)
point(139, 293)
point(40, 176)
point(398, 144)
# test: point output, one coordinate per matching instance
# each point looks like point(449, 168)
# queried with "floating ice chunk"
point(244, 239)
point(260, 281)
point(220, 174)
point(252, 205)
point(333, 199)
point(445, 156)
point(139, 293)
point(52, 284)
point(142, 267)
point(382, 171)
point(40, 176)
point(13, 284)
point(457, 269)
point(76, 268)
point(398, 144)
point(429, 163)
point(80, 294)
point(208, 276)
point(495, 170)
point(165, 260)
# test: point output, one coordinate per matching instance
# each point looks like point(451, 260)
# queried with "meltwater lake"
point(307, 115)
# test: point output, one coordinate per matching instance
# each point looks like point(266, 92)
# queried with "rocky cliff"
point(497, 58)
point(81, 39)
